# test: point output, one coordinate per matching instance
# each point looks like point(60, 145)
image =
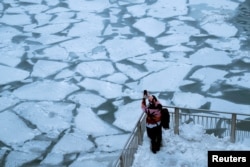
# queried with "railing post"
point(233, 128)
point(176, 123)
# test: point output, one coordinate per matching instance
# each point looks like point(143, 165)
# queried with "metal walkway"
point(221, 124)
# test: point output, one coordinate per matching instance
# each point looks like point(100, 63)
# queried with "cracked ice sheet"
point(166, 9)
point(9, 74)
point(7, 102)
point(128, 48)
point(86, 99)
point(222, 4)
point(168, 79)
point(209, 76)
point(44, 68)
point(39, 90)
point(29, 151)
point(232, 44)
point(124, 118)
point(208, 56)
point(105, 89)
point(111, 143)
point(242, 80)
point(95, 69)
point(14, 130)
point(224, 105)
point(49, 117)
point(188, 100)
point(90, 124)
point(75, 142)
point(153, 29)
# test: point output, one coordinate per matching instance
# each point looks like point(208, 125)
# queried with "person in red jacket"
point(153, 120)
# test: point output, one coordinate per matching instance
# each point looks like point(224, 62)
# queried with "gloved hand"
point(145, 94)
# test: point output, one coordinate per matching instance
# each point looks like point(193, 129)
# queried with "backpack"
point(165, 118)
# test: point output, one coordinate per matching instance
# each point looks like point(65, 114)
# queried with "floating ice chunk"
point(90, 124)
point(189, 100)
point(50, 118)
point(208, 76)
point(127, 50)
point(150, 26)
point(81, 45)
point(64, 74)
point(87, 99)
point(118, 78)
point(9, 74)
point(44, 68)
point(49, 39)
point(168, 79)
point(242, 80)
point(225, 44)
point(131, 71)
point(178, 48)
point(28, 152)
point(179, 27)
point(53, 159)
point(227, 106)
point(222, 4)
point(31, 1)
point(173, 39)
point(106, 89)
point(7, 102)
point(9, 60)
point(19, 158)
point(208, 56)
point(73, 143)
point(128, 115)
point(47, 28)
point(165, 9)
point(90, 6)
point(9, 123)
point(95, 68)
point(221, 30)
point(111, 143)
point(39, 90)
point(16, 19)
point(137, 10)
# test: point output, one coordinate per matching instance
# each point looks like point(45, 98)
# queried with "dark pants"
point(155, 135)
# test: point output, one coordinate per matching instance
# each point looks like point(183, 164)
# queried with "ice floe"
point(87, 99)
point(153, 27)
point(39, 90)
point(127, 50)
point(168, 79)
point(50, 118)
point(9, 123)
point(6, 101)
point(9, 74)
point(90, 124)
point(127, 115)
point(188, 100)
point(208, 76)
point(208, 56)
point(242, 80)
point(45, 68)
point(95, 69)
point(104, 88)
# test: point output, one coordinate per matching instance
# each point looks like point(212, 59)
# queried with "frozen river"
point(72, 72)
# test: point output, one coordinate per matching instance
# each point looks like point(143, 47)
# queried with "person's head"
point(152, 99)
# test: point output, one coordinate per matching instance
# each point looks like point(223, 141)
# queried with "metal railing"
point(221, 124)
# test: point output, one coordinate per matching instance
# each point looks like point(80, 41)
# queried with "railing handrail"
point(206, 110)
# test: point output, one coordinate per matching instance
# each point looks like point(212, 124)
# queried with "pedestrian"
point(153, 120)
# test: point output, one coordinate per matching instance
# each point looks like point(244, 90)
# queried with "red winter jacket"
point(153, 112)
